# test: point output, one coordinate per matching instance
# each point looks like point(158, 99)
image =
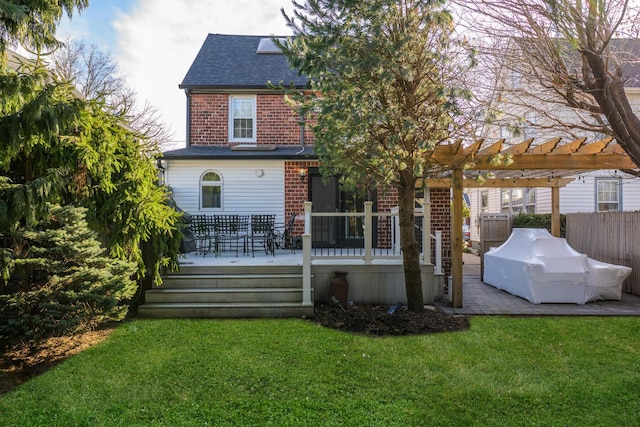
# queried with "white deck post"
point(306, 256)
point(438, 237)
point(426, 227)
point(368, 233)
point(395, 229)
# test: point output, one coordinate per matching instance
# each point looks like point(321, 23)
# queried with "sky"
point(154, 42)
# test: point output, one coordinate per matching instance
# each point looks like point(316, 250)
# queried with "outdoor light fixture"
point(303, 173)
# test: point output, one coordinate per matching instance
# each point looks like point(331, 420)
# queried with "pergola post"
point(555, 211)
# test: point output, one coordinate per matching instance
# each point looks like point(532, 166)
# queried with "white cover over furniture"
point(534, 265)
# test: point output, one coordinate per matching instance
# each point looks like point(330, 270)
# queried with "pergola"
point(528, 165)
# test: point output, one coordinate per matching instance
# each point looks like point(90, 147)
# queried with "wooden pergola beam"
point(548, 156)
point(559, 162)
point(497, 182)
point(570, 147)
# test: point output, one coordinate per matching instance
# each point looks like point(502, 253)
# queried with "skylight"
point(266, 46)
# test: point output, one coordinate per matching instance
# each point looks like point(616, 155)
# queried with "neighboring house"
point(248, 152)
point(593, 191)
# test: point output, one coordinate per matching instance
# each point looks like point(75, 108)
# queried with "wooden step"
point(228, 291)
point(223, 295)
point(236, 280)
point(224, 310)
point(235, 269)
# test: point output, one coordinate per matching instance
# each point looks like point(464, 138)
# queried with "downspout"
point(302, 123)
point(187, 92)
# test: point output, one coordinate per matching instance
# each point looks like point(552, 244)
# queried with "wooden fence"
point(611, 237)
point(495, 229)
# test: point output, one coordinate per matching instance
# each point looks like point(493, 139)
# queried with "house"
point(247, 151)
point(525, 115)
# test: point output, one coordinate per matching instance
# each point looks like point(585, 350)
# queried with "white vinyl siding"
point(578, 196)
point(250, 186)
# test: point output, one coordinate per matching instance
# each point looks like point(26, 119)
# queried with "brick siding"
point(276, 122)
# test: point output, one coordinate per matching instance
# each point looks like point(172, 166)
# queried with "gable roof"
point(232, 62)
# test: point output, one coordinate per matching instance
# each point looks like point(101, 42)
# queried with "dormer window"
point(242, 118)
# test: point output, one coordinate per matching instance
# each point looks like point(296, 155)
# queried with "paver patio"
point(480, 298)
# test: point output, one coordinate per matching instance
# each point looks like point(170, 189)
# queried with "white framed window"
point(505, 200)
point(210, 190)
point(530, 200)
point(484, 202)
point(608, 194)
point(518, 200)
point(242, 118)
point(528, 127)
point(516, 79)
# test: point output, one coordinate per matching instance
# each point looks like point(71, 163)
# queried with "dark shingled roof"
point(219, 152)
point(231, 61)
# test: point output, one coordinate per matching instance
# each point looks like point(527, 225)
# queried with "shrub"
point(61, 280)
point(538, 221)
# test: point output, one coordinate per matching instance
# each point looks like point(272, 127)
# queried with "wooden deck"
point(272, 286)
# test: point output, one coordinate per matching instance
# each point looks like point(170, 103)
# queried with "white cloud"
point(157, 41)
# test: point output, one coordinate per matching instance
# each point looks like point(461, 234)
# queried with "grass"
point(502, 372)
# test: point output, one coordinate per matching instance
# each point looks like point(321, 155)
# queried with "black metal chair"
point(284, 235)
point(231, 229)
point(202, 227)
point(262, 231)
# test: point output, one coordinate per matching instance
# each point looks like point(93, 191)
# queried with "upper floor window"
point(607, 194)
point(210, 191)
point(242, 118)
point(516, 79)
point(528, 127)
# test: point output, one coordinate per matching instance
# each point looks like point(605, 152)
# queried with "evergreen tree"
point(33, 23)
point(59, 150)
point(385, 86)
point(62, 281)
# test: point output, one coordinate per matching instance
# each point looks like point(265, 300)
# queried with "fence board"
point(610, 237)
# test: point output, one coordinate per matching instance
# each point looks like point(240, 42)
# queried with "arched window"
point(210, 191)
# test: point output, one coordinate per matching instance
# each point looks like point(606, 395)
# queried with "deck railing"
point(364, 235)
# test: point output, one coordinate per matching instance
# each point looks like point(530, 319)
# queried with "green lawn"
point(502, 372)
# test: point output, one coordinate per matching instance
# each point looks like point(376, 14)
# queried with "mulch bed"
point(376, 320)
point(22, 362)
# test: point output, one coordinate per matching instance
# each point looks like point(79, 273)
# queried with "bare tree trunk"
point(410, 247)
point(608, 90)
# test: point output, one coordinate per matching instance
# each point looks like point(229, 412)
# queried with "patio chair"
point(202, 227)
point(284, 235)
point(231, 229)
point(262, 231)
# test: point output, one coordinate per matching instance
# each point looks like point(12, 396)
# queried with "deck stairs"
point(228, 292)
